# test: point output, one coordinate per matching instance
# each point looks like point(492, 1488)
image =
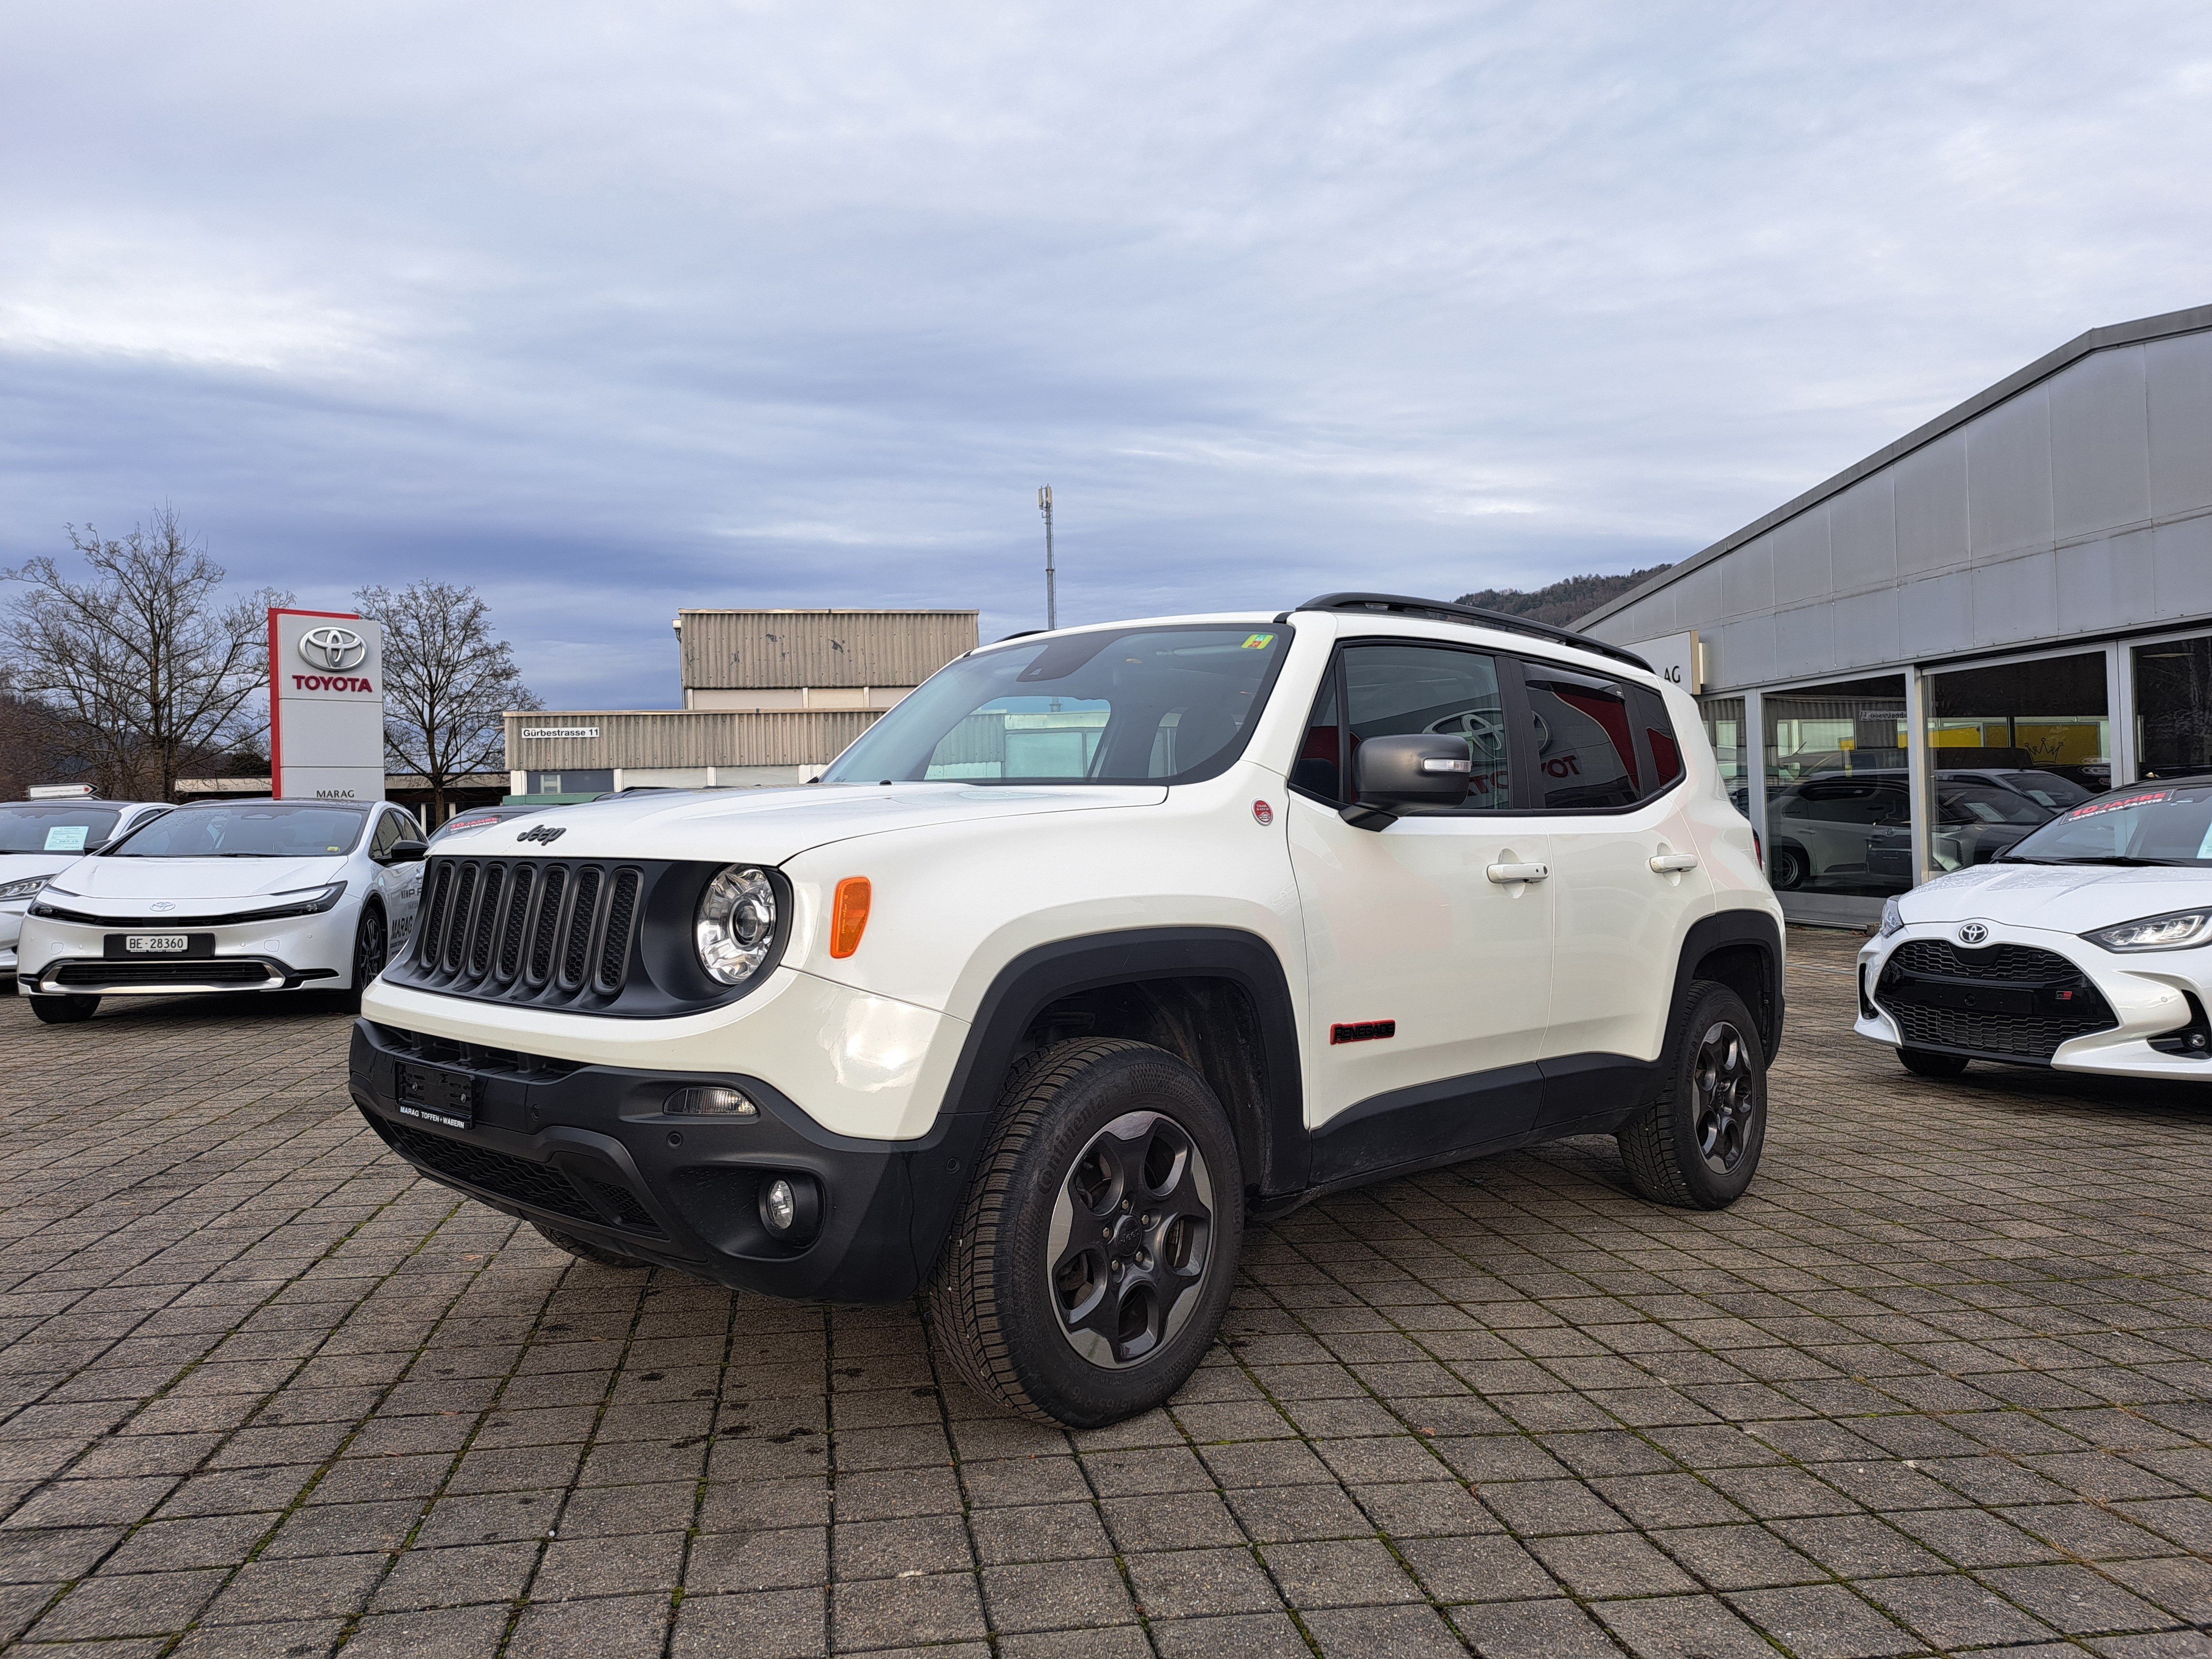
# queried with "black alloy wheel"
point(369, 954)
point(1132, 1228)
point(1094, 1259)
point(1698, 1144)
point(1787, 868)
point(1721, 1074)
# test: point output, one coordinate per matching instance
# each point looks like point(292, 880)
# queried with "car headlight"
point(1893, 919)
point(23, 889)
point(735, 926)
point(311, 901)
point(2177, 930)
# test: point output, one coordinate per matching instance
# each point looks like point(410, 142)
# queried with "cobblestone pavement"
point(1940, 1383)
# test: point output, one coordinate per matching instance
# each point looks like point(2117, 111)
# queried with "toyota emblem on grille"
point(543, 832)
point(1972, 933)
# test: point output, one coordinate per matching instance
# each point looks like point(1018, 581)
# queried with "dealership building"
point(769, 697)
point(2011, 604)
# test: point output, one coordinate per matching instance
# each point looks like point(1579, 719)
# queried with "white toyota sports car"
point(234, 896)
point(2087, 947)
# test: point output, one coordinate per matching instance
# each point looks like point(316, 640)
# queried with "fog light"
point(791, 1207)
point(710, 1102)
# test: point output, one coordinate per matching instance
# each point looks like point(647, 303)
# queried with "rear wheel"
point(585, 1250)
point(1096, 1254)
point(1698, 1144)
point(1787, 868)
point(1926, 1062)
point(63, 1010)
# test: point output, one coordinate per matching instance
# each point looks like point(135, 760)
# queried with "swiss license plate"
point(435, 1095)
point(158, 945)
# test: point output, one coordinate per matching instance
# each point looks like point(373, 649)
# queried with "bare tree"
point(145, 667)
point(447, 682)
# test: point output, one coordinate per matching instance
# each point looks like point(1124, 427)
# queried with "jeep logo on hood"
point(543, 832)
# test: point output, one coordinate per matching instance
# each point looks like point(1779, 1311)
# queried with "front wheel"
point(1698, 1144)
point(64, 1011)
point(1094, 1257)
point(1926, 1062)
point(369, 954)
point(1787, 868)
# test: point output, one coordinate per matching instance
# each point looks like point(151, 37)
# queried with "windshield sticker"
point(2120, 803)
point(1258, 641)
point(65, 838)
point(2204, 846)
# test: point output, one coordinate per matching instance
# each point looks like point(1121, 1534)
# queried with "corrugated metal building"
point(769, 697)
point(2016, 596)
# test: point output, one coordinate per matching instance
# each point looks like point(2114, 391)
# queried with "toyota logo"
point(1972, 933)
point(333, 648)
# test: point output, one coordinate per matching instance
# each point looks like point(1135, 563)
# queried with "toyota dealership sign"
point(325, 706)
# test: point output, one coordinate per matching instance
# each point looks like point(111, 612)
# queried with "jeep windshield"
point(2161, 824)
point(55, 829)
point(258, 830)
point(1138, 705)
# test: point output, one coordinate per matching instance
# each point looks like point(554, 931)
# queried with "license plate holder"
point(135, 946)
point(433, 1094)
point(1974, 999)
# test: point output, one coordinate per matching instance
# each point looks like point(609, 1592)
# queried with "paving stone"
point(1825, 1622)
point(1533, 1630)
point(779, 1625)
point(1056, 1595)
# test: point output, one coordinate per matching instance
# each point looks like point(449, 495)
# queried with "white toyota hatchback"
point(2087, 947)
point(40, 838)
point(236, 895)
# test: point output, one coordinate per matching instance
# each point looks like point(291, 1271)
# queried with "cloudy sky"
point(609, 309)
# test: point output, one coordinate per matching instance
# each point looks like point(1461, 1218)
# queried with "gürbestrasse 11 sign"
point(560, 731)
point(325, 706)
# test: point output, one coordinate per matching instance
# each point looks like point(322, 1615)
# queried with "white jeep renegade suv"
point(1099, 943)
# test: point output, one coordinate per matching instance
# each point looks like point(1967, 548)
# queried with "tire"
point(64, 1011)
point(1080, 1125)
point(371, 947)
point(1698, 1145)
point(1787, 868)
point(1926, 1062)
point(585, 1250)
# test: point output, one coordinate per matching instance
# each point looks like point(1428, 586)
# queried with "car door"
point(1626, 879)
point(399, 885)
point(1427, 942)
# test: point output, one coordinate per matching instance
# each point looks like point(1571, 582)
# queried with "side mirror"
point(1391, 775)
point(406, 851)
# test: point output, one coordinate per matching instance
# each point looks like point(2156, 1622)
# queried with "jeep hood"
point(2067, 898)
point(187, 880)
point(773, 825)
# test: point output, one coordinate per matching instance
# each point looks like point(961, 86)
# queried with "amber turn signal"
point(848, 915)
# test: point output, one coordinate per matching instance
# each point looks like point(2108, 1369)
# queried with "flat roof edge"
point(2196, 319)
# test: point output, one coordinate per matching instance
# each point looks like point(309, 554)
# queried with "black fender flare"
point(1041, 975)
point(1742, 927)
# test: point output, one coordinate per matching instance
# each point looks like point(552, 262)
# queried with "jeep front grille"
point(565, 933)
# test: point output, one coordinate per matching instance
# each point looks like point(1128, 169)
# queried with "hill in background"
point(1563, 601)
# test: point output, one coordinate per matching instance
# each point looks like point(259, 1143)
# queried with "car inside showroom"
point(1917, 662)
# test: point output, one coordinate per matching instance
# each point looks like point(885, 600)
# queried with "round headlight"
point(736, 925)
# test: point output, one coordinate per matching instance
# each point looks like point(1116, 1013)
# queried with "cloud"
point(611, 309)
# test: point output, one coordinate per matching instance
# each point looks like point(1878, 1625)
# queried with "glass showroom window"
point(2039, 728)
point(1724, 730)
point(2173, 709)
point(1837, 814)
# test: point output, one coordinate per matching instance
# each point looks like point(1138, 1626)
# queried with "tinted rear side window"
point(1585, 739)
point(1659, 739)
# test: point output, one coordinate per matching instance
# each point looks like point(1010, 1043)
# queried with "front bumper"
point(588, 1150)
point(72, 958)
point(2136, 1003)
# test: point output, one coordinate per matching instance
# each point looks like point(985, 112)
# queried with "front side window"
point(1404, 690)
point(36, 829)
point(256, 829)
point(1151, 705)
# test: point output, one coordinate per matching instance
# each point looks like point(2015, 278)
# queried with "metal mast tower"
point(1051, 606)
